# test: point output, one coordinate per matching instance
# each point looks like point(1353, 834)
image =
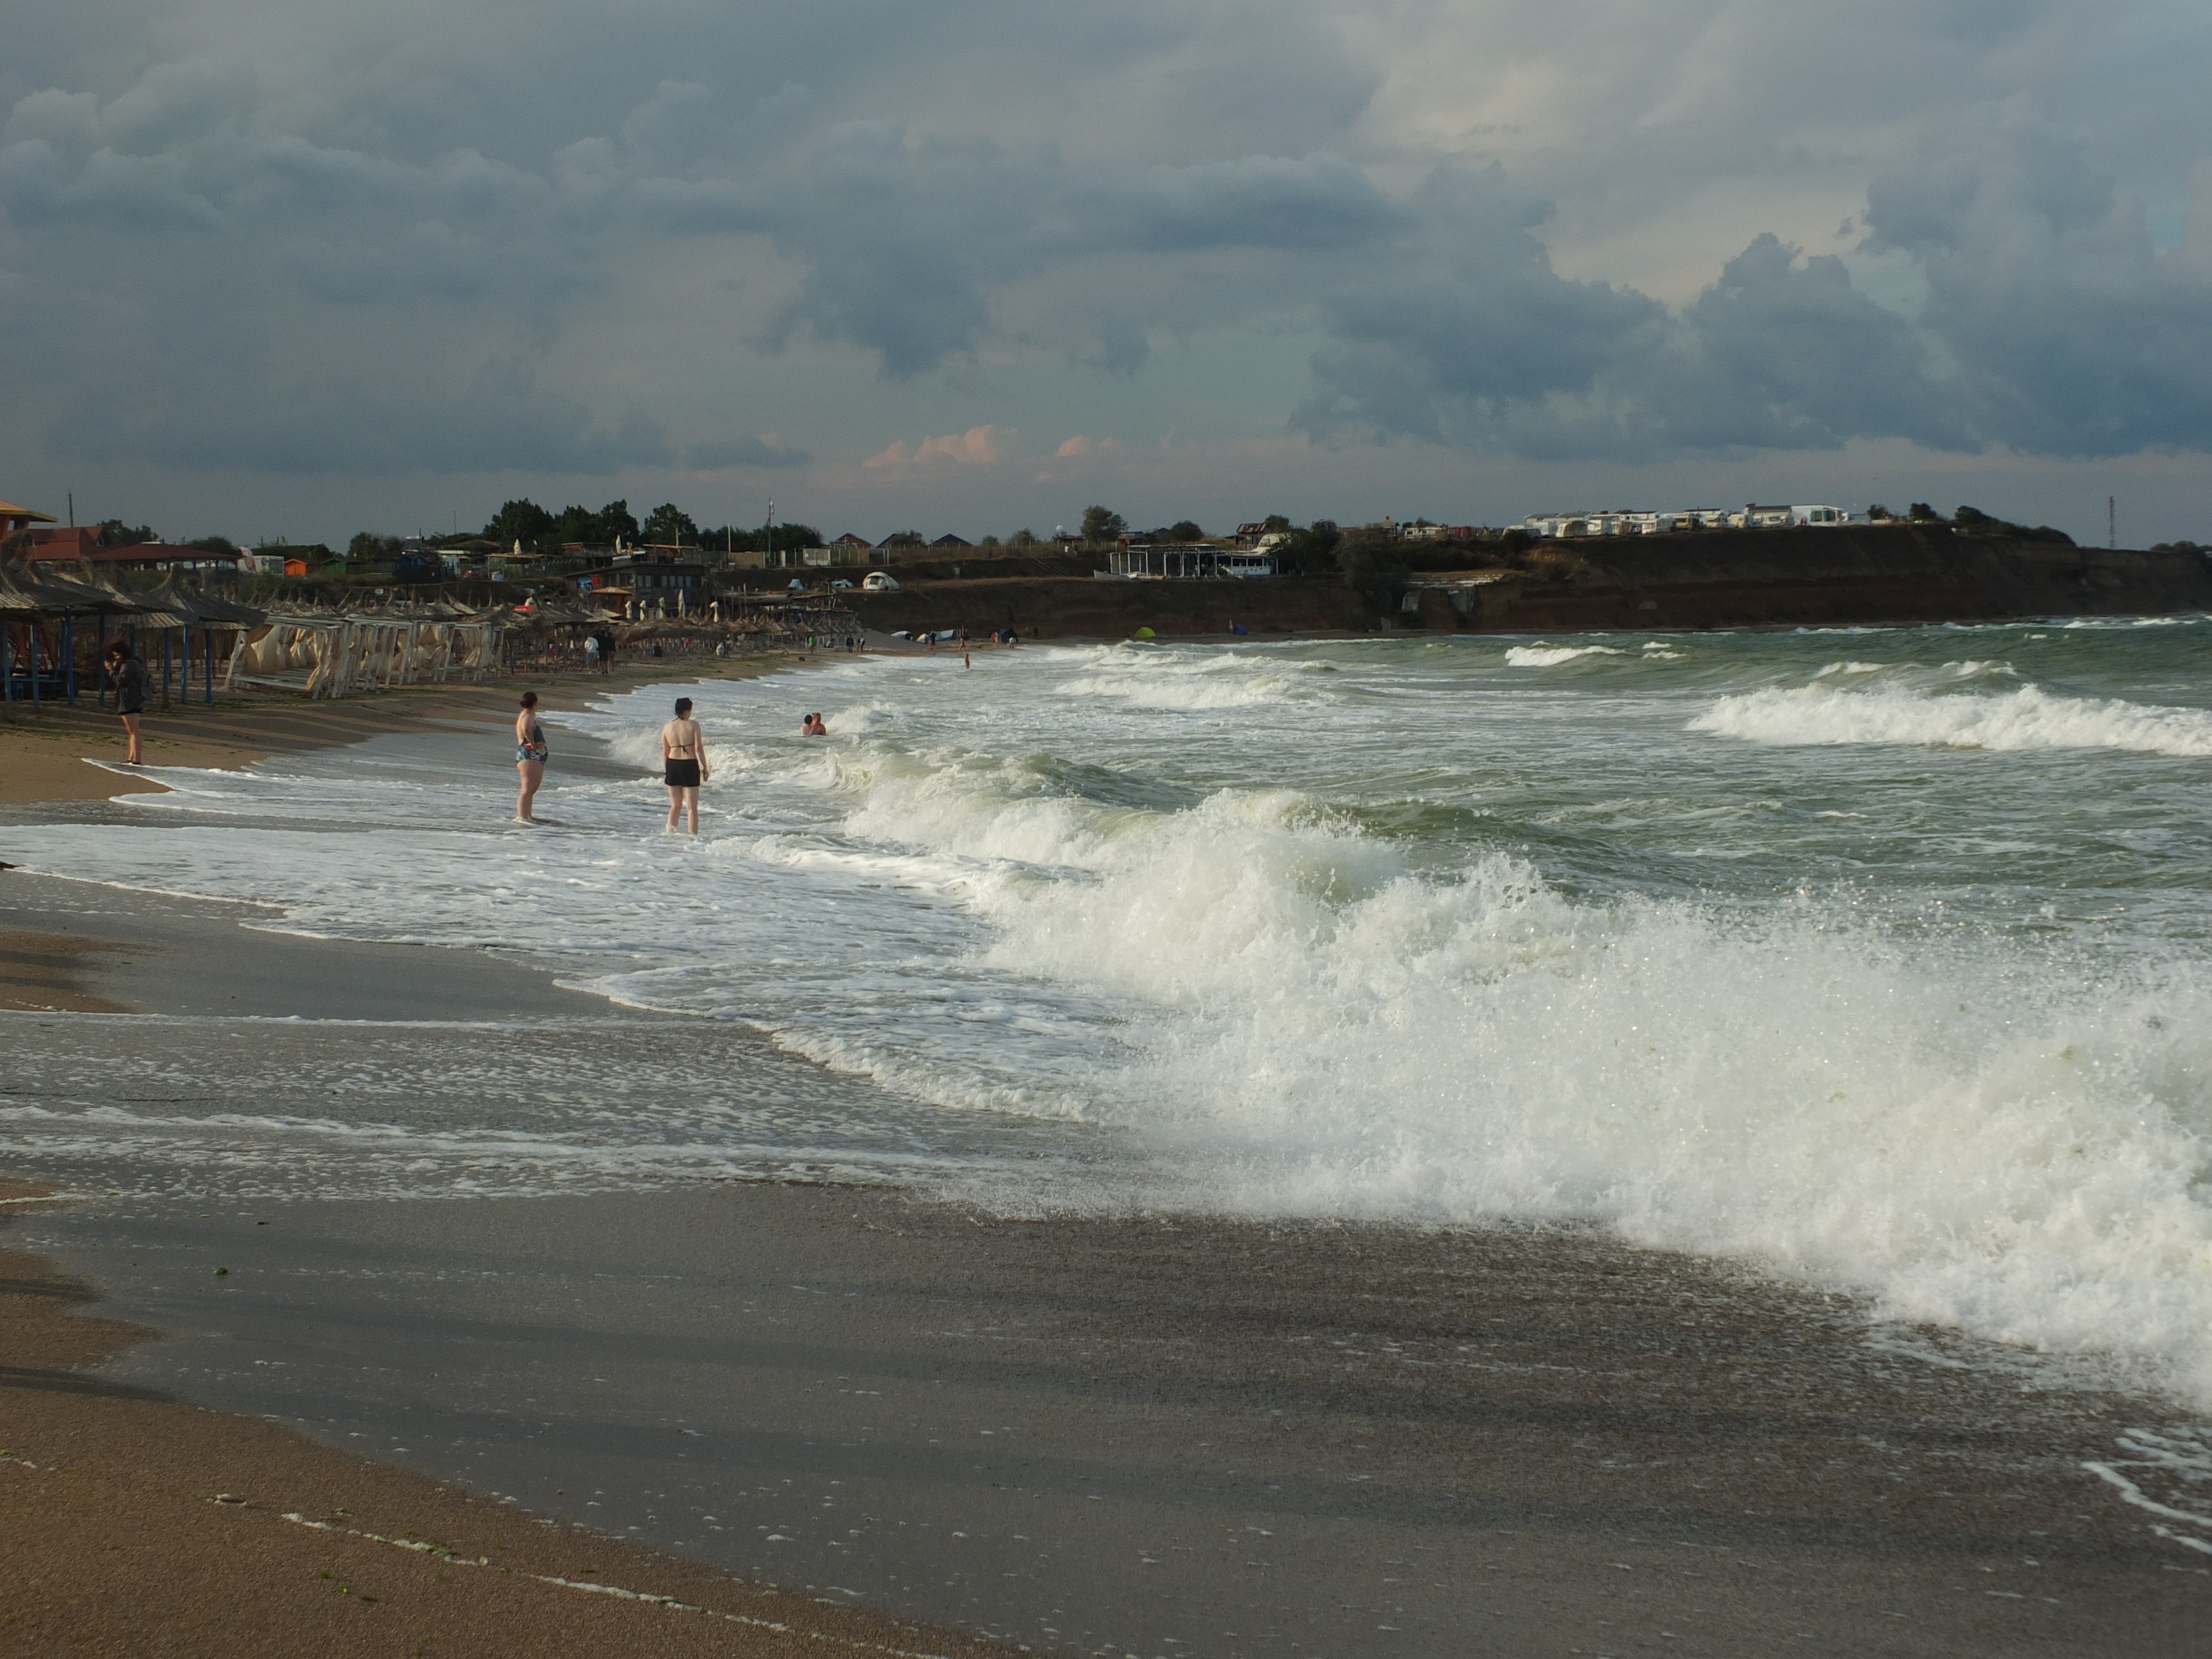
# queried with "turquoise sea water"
point(1875, 956)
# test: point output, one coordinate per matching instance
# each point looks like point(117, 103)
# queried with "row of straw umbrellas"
point(43, 615)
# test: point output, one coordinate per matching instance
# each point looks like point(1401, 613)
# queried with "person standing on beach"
point(591, 654)
point(128, 675)
point(530, 753)
point(684, 765)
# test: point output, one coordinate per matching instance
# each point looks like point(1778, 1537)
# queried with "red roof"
point(57, 546)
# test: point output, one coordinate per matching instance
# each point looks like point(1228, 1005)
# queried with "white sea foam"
point(1032, 907)
point(2029, 718)
point(1550, 656)
point(1144, 678)
point(1984, 1141)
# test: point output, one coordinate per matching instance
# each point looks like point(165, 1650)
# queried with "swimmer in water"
point(684, 765)
point(813, 728)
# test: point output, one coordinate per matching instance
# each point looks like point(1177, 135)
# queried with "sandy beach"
point(936, 1426)
point(44, 755)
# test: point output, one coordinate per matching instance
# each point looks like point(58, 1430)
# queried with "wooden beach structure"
point(336, 653)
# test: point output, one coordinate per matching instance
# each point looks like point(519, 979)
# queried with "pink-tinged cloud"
point(979, 446)
point(1079, 445)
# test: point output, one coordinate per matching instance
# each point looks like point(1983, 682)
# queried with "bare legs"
point(532, 773)
point(137, 754)
point(682, 799)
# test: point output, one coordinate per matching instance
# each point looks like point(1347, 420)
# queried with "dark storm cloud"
point(347, 239)
point(499, 421)
point(2050, 325)
point(2072, 334)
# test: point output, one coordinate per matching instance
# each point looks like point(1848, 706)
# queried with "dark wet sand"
point(1143, 1437)
point(1133, 1436)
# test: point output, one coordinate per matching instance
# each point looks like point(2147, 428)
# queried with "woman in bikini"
point(683, 762)
point(530, 752)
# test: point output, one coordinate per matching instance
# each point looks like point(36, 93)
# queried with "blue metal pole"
point(207, 634)
point(34, 665)
point(69, 653)
point(165, 668)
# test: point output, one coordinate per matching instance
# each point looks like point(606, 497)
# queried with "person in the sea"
point(530, 753)
point(811, 727)
point(684, 765)
point(128, 676)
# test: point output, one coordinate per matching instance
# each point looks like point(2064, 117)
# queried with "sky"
point(299, 268)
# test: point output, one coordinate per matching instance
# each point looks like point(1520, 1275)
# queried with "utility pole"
point(770, 560)
point(2112, 521)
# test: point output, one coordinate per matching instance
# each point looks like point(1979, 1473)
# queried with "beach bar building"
point(1185, 561)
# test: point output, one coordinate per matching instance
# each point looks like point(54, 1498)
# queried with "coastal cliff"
point(1724, 578)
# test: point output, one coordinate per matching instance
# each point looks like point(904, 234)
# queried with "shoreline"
point(42, 756)
point(1585, 1442)
point(125, 1512)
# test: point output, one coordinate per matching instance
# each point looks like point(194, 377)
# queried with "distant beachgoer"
point(684, 765)
point(591, 654)
point(811, 727)
point(606, 653)
point(530, 753)
point(128, 676)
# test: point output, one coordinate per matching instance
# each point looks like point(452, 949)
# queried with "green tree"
point(617, 519)
point(368, 548)
point(1022, 538)
point(1184, 529)
point(1102, 525)
point(113, 532)
point(215, 544)
point(669, 525)
point(1276, 521)
point(1368, 558)
point(794, 535)
point(904, 539)
point(1312, 550)
point(1921, 513)
point(988, 541)
point(523, 522)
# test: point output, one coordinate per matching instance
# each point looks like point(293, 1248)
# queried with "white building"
point(1625, 521)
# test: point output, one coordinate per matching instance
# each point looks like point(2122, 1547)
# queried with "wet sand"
point(44, 755)
point(1134, 1435)
point(133, 1524)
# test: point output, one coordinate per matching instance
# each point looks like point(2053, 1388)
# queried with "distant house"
point(1818, 515)
point(950, 542)
point(859, 543)
point(82, 546)
point(14, 518)
point(76, 542)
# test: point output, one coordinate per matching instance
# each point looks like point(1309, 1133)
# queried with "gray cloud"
point(499, 421)
point(316, 239)
point(717, 456)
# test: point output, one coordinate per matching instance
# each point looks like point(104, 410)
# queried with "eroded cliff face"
point(1724, 578)
point(1809, 577)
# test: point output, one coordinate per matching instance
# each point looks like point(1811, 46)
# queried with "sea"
point(1878, 958)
